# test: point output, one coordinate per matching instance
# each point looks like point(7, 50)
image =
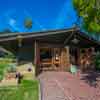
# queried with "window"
point(45, 54)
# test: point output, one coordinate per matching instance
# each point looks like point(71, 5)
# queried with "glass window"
point(45, 54)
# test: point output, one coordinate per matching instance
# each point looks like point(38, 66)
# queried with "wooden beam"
point(35, 52)
point(68, 38)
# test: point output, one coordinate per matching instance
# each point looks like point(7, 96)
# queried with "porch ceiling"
point(54, 38)
point(83, 40)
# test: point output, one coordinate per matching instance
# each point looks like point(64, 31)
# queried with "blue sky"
point(46, 14)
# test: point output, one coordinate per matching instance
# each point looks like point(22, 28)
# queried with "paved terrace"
point(65, 86)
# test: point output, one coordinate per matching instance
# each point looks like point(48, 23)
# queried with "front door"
point(50, 58)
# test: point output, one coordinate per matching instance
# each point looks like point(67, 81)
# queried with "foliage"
point(97, 61)
point(28, 23)
point(89, 10)
point(5, 64)
point(11, 68)
point(27, 90)
point(2, 68)
point(6, 30)
point(9, 56)
point(4, 53)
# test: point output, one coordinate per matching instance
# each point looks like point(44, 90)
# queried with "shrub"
point(2, 68)
point(11, 68)
point(6, 64)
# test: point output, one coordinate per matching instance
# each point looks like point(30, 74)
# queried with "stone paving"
point(65, 86)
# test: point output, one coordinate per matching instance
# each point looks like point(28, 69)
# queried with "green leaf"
point(91, 14)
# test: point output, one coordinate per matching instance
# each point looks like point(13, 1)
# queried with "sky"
point(45, 14)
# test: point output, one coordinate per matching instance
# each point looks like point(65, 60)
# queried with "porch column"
point(65, 58)
point(36, 57)
point(68, 56)
point(36, 53)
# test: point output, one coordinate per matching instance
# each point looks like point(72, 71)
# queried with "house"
point(49, 50)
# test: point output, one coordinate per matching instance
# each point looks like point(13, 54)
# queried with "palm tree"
point(28, 23)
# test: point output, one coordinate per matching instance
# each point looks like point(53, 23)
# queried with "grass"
point(27, 90)
point(2, 68)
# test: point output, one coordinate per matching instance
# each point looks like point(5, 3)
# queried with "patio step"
point(48, 69)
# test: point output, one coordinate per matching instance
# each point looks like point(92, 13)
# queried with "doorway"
point(74, 55)
point(50, 58)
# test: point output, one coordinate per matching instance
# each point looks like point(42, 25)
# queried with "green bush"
point(10, 55)
point(2, 68)
point(11, 68)
point(6, 63)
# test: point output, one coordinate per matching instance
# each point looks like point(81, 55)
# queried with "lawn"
point(27, 90)
point(2, 68)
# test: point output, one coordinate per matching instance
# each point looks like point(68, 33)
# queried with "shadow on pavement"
point(91, 77)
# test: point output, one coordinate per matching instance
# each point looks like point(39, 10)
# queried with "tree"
point(89, 10)
point(28, 23)
point(6, 30)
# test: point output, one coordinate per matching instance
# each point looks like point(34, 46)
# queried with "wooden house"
point(49, 50)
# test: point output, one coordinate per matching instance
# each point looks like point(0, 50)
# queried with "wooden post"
point(68, 56)
point(35, 53)
point(37, 57)
point(65, 61)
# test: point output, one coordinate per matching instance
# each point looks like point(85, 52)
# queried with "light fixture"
point(19, 39)
point(75, 40)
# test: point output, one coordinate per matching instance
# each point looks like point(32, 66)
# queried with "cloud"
point(12, 22)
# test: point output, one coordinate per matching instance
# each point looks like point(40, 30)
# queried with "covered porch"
point(57, 50)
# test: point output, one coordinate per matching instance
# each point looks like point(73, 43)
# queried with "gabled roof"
point(53, 35)
point(13, 36)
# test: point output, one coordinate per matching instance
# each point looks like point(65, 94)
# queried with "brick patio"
point(65, 86)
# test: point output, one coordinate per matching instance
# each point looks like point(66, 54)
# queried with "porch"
point(57, 50)
point(51, 56)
